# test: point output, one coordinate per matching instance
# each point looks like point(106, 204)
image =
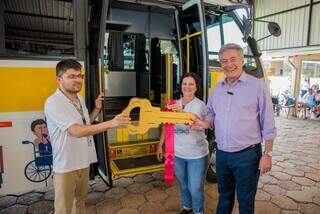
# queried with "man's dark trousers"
point(238, 171)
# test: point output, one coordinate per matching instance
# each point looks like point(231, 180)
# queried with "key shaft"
point(152, 117)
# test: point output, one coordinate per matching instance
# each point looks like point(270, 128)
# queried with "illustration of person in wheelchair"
point(40, 168)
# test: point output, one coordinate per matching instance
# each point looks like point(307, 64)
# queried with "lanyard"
point(78, 107)
point(80, 111)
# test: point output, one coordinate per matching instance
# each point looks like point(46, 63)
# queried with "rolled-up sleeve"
point(266, 114)
point(58, 116)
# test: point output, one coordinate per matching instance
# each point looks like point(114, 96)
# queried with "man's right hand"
point(80, 130)
point(200, 125)
point(120, 120)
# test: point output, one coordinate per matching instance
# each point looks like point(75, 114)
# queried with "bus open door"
point(136, 66)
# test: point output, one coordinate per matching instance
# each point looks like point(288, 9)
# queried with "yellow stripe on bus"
point(26, 88)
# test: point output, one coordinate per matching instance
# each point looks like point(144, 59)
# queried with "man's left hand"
point(98, 102)
point(265, 164)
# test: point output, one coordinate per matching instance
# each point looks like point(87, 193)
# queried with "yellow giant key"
point(152, 117)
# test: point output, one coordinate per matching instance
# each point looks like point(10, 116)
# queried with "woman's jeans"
point(238, 172)
point(190, 174)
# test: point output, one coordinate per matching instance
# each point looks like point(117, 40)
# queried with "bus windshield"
point(223, 29)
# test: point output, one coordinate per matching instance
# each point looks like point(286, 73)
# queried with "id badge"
point(89, 140)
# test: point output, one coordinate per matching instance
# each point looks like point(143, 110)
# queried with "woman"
point(308, 101)
point(191, 148)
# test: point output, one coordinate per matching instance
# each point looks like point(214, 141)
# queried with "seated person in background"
point(317, 111)
point(308, 101)
point(39, 129)
point(316, 92)
point(304, 87)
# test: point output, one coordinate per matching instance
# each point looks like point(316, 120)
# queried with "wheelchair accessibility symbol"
point(40, 168)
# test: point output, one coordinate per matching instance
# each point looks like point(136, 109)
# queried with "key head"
point(146, 115)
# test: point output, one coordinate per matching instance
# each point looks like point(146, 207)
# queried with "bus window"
point(167, 47)
point(214, 40)
point(189, 27)
point(242, 12)
point(128, 51)
point(120, 50)
point(231, 34)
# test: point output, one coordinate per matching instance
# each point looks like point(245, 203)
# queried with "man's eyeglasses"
point(73, 76)
point(232, 60)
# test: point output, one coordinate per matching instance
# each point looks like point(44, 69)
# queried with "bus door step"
point(131, 163)
point(131, 166)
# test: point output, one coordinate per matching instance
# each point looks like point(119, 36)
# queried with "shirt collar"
point(60, 93)
point(242, 78)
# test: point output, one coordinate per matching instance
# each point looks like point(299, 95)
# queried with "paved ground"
point(292, 187)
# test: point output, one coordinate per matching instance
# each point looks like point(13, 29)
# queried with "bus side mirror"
point(274, 29)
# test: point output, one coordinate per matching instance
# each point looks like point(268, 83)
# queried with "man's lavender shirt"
point(242, 117)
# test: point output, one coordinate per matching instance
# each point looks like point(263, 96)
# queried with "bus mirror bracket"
point(273, 28)
point(253, 46)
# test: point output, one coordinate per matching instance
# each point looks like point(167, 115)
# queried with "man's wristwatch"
point(269, 153)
